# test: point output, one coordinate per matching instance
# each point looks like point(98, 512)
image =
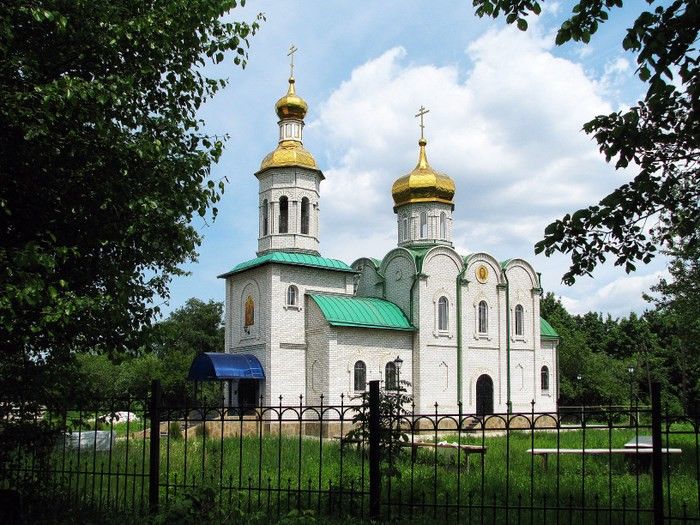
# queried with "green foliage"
point(168, 351)
point(104, 166)
point(660, 135)
point(174, 430)
point(602, 350)
point(392, 436)
point(677, 323)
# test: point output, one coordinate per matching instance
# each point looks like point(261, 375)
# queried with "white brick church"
point(463, 327)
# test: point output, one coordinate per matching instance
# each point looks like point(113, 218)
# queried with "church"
point(460, 328)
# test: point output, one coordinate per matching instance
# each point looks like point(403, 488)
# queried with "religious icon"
point(249, 318)
point(482, 274)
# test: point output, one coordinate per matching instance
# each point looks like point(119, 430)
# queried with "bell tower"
point(289, 183)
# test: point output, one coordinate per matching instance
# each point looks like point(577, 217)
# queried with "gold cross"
point(422, 111)
point(292, 50)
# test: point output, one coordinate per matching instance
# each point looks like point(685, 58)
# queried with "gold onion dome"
point(290, 151)
point(423, 184)
point(290, 105)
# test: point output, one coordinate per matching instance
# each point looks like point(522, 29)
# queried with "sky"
point(506, 112)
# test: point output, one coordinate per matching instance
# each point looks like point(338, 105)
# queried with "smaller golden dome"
point(423, 184)
point(289, 153)
point(290, 105)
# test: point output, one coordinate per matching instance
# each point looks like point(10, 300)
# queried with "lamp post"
point(630, 370)
point(397, 363)
point(578, 389)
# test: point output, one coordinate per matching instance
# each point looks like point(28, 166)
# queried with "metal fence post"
point(656, 459)
point(374, 478)
point(154, 461)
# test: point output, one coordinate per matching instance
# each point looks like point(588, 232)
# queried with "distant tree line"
point(660, 345)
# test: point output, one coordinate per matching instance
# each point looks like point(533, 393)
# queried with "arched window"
point(483, 317)
point(360, 376)
point(443, 313)
point(544, 379)
point(519, 321)
point(264, 217)
point(443, 225)
point(390, 382)
point(292, 296)
point(284, 214)
point(423, 225)
point(305, 216)
point(405, 229)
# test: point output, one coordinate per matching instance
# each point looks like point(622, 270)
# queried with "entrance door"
point(247, 393)
point(484, 396)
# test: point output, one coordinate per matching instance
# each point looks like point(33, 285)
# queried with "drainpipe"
point(410, 296)
point(505, 277)
point(459, 333)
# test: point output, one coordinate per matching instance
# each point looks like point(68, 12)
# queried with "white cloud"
point(619, 297)
point(506, 127)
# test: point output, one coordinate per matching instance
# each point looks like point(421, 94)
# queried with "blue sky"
point(506, 110)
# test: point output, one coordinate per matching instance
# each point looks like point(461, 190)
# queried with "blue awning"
point(212, 366)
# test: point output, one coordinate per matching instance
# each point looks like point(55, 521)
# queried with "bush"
point(175, 430)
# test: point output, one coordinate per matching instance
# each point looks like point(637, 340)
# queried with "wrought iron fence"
point(125, 457)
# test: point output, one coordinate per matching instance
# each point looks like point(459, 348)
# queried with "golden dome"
point(290, 105)
point(289, 153)
point(423, 184)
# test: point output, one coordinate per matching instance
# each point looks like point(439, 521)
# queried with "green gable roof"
point(361, 312)
point(547, 331)
point(294, 259)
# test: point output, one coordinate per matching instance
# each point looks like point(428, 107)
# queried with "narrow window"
point(264, 217)
point(483, 317)
point(442, 313)
point(305, 216)
point(390, 382)
point(284, 214)
point(544, 379)
point(360, 376)
point(443, 225)
point(405, 229)
point(423, 225)
point(292, 295)
point(519, 320)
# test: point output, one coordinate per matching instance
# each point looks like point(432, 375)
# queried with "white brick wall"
point(302, 354)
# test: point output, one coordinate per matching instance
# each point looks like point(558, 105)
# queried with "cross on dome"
point(292, 49)
point(422, 111)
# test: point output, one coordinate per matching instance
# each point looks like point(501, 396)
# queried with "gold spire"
point(290, 151)
point(423, 184)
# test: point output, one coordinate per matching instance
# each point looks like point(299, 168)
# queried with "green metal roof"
point(547, 331)
point(294, 259)
point(361, 312)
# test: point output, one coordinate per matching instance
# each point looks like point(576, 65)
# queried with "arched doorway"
point(484, 395)
point(247, 393)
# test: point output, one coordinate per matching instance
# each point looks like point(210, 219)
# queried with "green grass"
point(510, 482)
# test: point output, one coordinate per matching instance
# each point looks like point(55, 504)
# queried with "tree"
point(676, 320)
point(104, 164)
point(168, 351)
point(660, 135)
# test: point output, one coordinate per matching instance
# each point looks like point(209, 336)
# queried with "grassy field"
point(278, 473)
